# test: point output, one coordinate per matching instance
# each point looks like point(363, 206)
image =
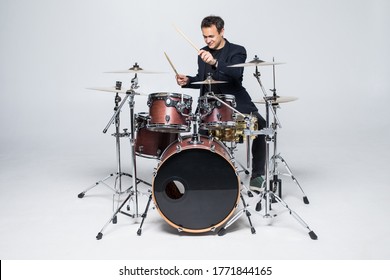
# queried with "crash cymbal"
point(278, 99)
point(113, 89)
point(209, 81)
point(256, 62)
point(135, 69)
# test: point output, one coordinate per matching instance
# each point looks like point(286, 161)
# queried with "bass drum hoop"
point(216, 148)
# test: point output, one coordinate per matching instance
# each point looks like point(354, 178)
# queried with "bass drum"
point(196, 186)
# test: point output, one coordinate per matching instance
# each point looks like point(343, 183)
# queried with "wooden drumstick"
point(185, 37)
point(170, 62)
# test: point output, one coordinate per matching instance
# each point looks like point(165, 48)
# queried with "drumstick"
point(170, 62)
point(185, 37)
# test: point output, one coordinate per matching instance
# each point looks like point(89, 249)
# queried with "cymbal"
point(135, 69)
point(113, 89)
point(256, 62)
point(209, 81)
point(277, 100)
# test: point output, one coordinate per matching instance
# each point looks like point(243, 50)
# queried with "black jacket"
point(231, 54)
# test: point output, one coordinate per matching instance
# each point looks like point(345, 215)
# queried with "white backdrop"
point(337, 63)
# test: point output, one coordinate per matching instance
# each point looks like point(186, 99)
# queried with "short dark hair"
point(213, 20)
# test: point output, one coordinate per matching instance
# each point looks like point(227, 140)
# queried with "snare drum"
point(196, 186)
point(169, 112)
point(150, 144)
point(236, 133)
point(214, 114)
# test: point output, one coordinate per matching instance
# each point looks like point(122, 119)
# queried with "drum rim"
point(225, 124)
point(170, 94)
point(176, 128)
point(231, 96)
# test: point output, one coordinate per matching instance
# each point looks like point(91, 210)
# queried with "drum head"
point(196, 190)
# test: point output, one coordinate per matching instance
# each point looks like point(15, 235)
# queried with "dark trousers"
point(258, 149)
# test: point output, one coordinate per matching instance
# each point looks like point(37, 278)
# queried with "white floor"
point(42, 217)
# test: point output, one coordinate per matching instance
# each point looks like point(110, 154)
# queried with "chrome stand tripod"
point(117, 189)
point(132, 191)
point(268, 196)
point(276, 183)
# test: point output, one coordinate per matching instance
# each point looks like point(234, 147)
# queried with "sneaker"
point(256, 184)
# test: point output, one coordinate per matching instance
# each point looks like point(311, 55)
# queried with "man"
point(214, 59)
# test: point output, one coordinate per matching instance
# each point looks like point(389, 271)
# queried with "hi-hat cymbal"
point(135, 69)
point(209, 81)
point(278, 99)
point(113, 89)
point(256, 62)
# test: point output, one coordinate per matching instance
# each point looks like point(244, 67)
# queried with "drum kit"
point(196, 186)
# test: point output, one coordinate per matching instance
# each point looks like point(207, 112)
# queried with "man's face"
point(212, 38)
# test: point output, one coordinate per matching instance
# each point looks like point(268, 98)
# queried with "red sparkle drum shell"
point(150, 144)
point(196, 187)
point(168, 112)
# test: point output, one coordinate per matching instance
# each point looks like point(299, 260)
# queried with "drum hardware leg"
point(114, 217)
point(248, 191)
point(273, 197)
point(245, 210)
point(290, 174)
point(232, 148)
point(102, 181)
point(139, 232)
point(243, 169)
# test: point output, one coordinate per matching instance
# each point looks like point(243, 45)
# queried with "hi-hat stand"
point(276, 182)
point(267, 196)
point(117, 189)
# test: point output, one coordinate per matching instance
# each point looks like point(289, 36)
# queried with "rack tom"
point(169, 112)
point(215, 114)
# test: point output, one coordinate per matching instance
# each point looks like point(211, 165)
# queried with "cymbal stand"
point(133, 190)
point(117, 189)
